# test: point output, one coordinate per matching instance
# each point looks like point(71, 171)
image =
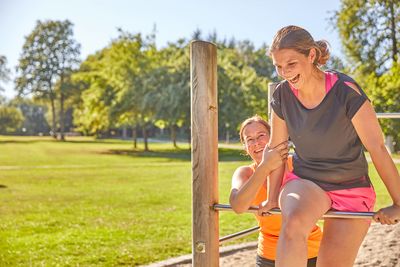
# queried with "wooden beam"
point(204, 129)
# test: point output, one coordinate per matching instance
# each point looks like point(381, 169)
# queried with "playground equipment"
point(204, 127)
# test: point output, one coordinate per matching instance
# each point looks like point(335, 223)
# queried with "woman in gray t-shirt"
point(328, 126)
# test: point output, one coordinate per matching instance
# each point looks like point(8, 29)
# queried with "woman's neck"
point(314, 84)
point(313, 90)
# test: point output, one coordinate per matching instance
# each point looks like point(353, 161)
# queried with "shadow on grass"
point(98, 141)
point(22, 141)
point(46, 140)
point(224, 154)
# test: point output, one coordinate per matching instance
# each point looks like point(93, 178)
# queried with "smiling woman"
point(249, 187)
point(329, 119)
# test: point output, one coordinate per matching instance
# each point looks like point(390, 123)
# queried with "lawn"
point(88, 203)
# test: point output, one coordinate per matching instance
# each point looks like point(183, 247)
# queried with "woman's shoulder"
point(281, 86)
point(343, 79)
point(347, 85)
point(246, 170)
point(241, 175)
point(281, 91)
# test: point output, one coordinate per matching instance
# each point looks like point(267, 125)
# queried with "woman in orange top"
point(249, 187)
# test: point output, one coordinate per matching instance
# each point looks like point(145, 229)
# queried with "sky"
point(96, 21)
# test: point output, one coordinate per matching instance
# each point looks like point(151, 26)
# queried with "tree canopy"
point(369, 31)
point(49, 54)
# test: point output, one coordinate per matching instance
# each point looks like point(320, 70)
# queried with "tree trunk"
point(62, 117)
point(144, 130)
point(124, 132)
point(134, 136)
point(173, 135)
point(53, 118)
point(227, 137)
point(393, 31)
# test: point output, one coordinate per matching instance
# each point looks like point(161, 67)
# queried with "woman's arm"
point(246, 183)
point(368, 129)
point(279, 134)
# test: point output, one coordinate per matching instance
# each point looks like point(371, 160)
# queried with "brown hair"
point(300, 40)
point(250, 120)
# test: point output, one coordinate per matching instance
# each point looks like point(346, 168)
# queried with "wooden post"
point(271, 90)
point(204, 116)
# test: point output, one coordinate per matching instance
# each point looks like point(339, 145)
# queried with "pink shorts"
point(358, 199)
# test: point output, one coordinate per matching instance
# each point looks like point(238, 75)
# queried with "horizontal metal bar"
point(239, 234)
point(388, 115)
point(329, 214)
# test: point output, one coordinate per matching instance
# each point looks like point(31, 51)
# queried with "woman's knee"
point(296, 226)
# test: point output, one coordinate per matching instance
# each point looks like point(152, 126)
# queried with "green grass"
point(90, 203)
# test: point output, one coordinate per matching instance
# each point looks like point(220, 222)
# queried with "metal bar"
point(329, 214)
point(388, 115)
point(239, 234)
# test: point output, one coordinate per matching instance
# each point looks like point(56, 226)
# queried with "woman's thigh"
point(341, 240)
point(303, 200)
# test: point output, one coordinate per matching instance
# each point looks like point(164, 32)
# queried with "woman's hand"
point(276, 156)
point(388, 215)
point(265, 206)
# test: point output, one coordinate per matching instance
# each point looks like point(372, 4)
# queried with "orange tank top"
point(270, 227)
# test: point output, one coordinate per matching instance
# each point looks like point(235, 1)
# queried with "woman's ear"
point(312, 55)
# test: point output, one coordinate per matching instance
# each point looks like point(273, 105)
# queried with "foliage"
point(34, 114)
point(369, 30)
point(4, 71)
point(96, 94)
point(241, 92)
point(171, 98)
point(48, 55)
point(335, 63)
point(11, 119)
point(385, 93)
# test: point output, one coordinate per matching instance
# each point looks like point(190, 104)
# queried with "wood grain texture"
point(204, 129)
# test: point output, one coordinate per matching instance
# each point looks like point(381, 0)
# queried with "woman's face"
point(293, 66)
point(255, 137)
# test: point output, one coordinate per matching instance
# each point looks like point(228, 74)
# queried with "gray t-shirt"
point(328, 150)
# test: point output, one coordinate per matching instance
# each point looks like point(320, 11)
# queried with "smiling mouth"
point(258, 150)
point(295, 79)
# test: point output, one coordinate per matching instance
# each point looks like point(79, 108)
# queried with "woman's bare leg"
point(340, 242)
point(302, 203)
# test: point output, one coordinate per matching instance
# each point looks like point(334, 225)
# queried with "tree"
point(49, 54)
point(4, 71)
point(128, 68)
point(4, 76)
point(136, 74)
point(369, 32)
point(92, 109)
point(335, 63)
point(35, 122)
point(385, 95)
point(10, 119)
point(242, 92)
point(171, 97)
point(117, 85)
